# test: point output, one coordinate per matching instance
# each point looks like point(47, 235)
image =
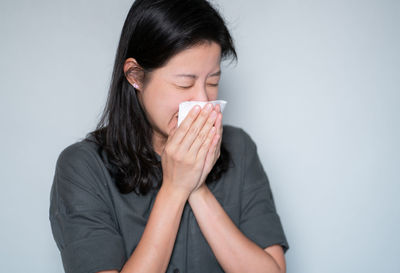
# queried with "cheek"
point(164, 110)
point(213, 97)
point(212, 94)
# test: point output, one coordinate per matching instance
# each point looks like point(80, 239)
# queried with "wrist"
point(175, 193)
point(199, 193)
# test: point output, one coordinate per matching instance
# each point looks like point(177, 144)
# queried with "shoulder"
point(79, 161)
point(237, 140)
point(79, 152)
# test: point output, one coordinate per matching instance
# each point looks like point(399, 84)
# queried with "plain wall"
point(317, 86)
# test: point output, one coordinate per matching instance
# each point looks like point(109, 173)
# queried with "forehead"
point(199, 60)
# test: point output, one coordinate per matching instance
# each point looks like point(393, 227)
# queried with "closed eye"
point(185, 87)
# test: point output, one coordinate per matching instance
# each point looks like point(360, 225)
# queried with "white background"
point(317, 86)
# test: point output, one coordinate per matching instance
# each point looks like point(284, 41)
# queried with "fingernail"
point(208, 106)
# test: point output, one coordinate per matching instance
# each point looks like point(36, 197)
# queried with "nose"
point(200, 94)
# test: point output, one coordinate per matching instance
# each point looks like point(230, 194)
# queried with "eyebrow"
point(218, 73)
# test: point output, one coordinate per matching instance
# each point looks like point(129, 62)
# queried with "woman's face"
point(192, 74)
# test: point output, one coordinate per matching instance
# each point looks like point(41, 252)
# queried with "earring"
point(135, 85)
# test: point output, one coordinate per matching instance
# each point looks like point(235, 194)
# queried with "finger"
point(215, 146)
point(196, 127)
point(206, 145)
point(203, 133)
point(185, 125)
point(218, 108)
point(218, 124)
point(211, 157)
point(172, 132)
point(218, 148)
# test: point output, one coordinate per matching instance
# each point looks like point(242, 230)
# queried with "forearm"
point(233, 250)
point(153, 252)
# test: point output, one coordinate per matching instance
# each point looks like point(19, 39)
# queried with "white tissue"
point(186, 106)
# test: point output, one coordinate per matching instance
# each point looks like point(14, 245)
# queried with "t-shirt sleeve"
point(81, 218)
point(259, 220)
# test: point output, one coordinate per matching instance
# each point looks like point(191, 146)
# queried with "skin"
point(188, 154)
point(168, 87)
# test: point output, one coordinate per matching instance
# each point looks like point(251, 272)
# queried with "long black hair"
point(153, 32)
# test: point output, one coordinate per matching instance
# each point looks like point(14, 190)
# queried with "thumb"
point(172, 132)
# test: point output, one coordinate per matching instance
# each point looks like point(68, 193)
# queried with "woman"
point(140, 194)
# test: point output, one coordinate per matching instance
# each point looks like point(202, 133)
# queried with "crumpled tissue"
point(186, 106)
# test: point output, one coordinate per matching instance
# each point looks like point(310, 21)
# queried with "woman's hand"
point(214, 150)
point(188, 146)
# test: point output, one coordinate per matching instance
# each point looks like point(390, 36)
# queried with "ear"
point(134, 73)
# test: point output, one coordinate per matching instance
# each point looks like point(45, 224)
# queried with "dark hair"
point(153, 32)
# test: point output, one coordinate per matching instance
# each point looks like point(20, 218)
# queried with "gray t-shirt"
point(97, 228)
